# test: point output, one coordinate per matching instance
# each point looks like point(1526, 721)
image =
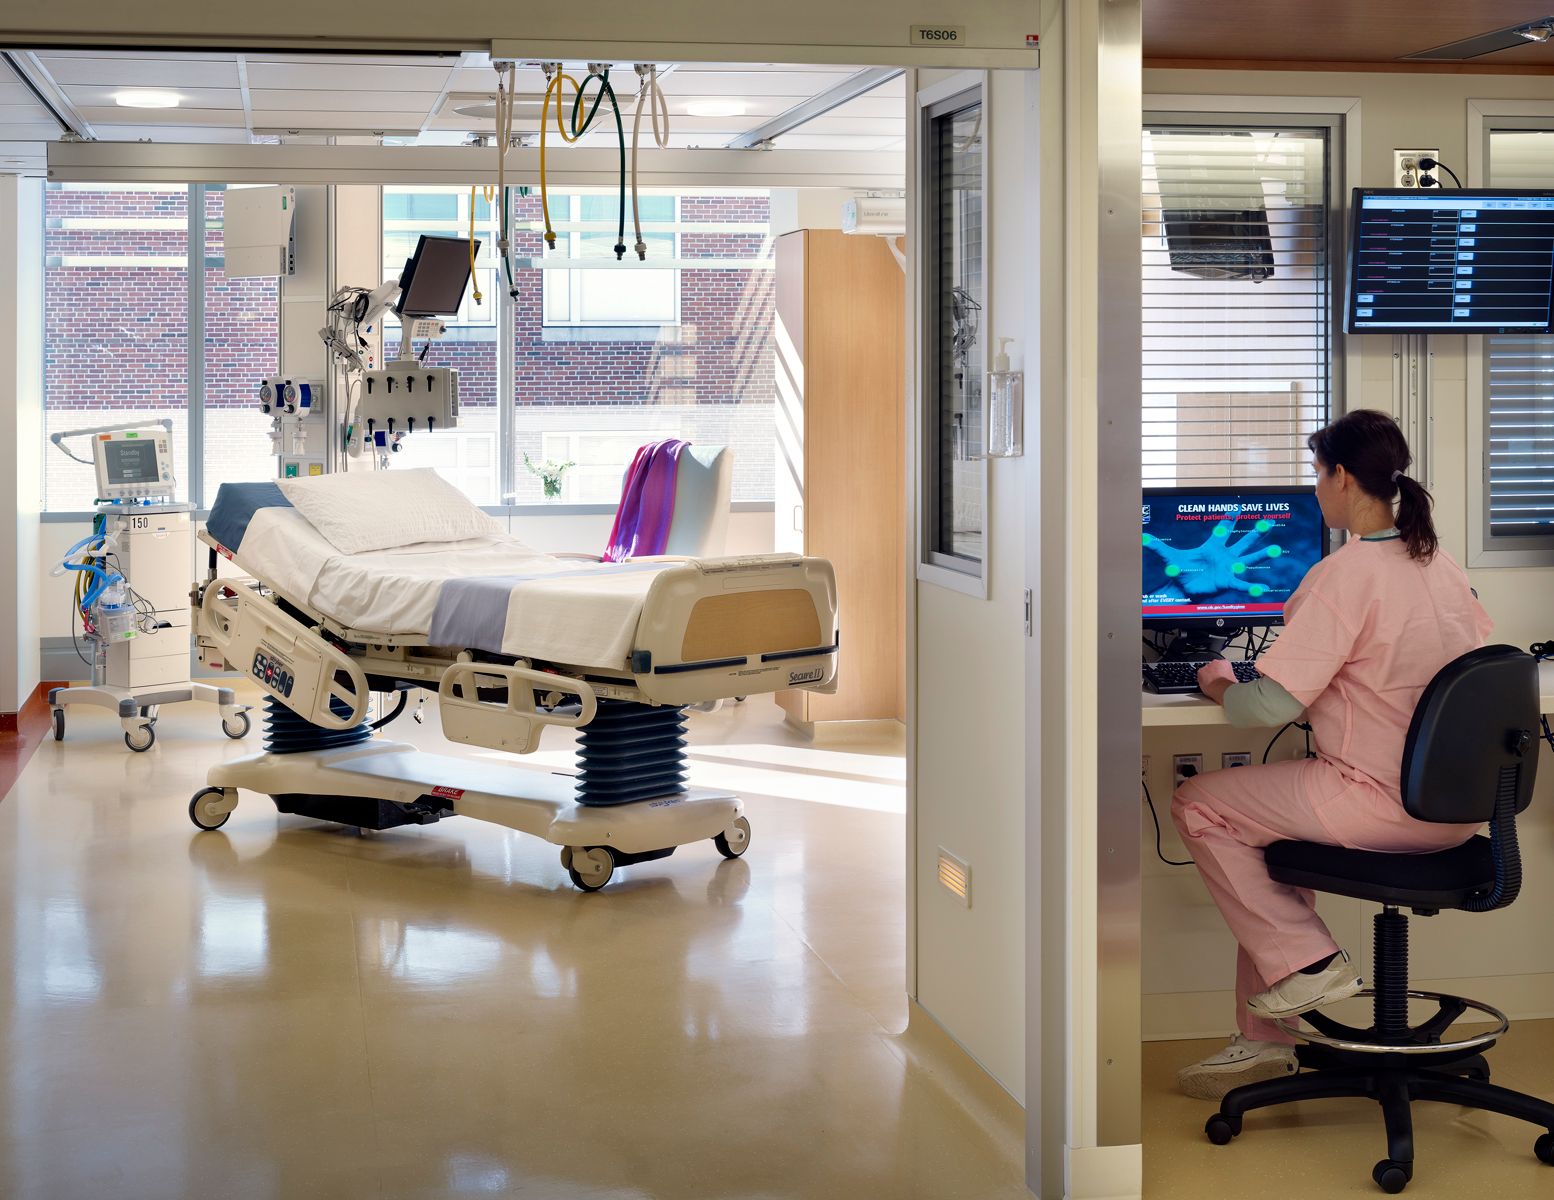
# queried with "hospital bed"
point(512, 641)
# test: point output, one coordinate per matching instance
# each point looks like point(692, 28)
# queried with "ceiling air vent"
point(1488, 43)
point(955, 875)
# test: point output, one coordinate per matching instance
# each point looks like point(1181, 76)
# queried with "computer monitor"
point(1475, 260)
point(1223, 559)
point(435, 277)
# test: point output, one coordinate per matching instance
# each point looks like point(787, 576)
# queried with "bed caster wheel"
point(592, 868)
point(59, 724)
point(238, 727)
point(1221, 1128)
point(734, 840)
point(142, 739)
point(202, 809)
point(566, 858)
point(1544, 1148)
point(1392, 1177)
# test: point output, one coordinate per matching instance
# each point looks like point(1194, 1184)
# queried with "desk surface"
point(1195, 709)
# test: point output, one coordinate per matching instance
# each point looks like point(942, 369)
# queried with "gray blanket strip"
point(472, 612)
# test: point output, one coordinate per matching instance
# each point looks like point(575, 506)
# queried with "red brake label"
point(448, 793)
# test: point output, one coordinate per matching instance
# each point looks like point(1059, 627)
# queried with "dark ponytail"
point(1370, 446)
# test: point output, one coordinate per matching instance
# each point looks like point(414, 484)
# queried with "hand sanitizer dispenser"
point(1005, 407)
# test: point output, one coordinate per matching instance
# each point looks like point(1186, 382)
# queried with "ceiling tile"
point(108, 118)
point(326, 77)
point(265, 100)
point(96, 96)
point(135, 70)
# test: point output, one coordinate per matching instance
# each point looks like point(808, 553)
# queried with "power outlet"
point(1405, 166)
point(1236, 759)
point(1185, 766)
point(1144, 769)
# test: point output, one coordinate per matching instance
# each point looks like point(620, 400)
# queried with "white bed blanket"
point(560, 610)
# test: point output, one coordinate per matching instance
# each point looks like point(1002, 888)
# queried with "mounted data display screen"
point(1477, 260)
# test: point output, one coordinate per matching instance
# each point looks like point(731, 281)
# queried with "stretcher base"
point(383, 784)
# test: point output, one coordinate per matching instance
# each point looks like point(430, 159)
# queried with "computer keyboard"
point(1177, 677)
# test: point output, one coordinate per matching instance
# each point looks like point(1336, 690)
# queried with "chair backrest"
point(1472, 745)
point(704, 480)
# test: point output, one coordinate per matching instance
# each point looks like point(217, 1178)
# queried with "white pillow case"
point(360, 511)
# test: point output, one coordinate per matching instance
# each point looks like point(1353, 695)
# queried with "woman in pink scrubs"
point(1368, 628)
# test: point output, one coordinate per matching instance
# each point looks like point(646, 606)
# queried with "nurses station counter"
point(1195, 709)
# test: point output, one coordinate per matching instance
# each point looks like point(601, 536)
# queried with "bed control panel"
point(312, 677)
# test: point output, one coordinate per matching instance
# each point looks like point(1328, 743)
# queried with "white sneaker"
point(1243, 1061)
point(1300, 993)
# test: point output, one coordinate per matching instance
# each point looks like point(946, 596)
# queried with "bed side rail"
point(309, 675)
point(513, 723)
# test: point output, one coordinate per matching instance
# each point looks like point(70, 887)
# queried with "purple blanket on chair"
point(647, 502)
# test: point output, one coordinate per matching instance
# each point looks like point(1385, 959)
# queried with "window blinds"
point(1520, 388)
point(1237, 265)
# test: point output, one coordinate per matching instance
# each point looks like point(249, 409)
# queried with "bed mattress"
point(491, 593)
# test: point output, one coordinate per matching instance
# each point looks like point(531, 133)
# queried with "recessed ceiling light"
point(147, 98)
point(716, 108)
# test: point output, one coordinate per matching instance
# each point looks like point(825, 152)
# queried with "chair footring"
point(1421, 1040)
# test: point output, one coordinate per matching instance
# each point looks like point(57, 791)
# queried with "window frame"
point(933, 565)
point(569, 231)
point(1486, 549)
point(1338, 116)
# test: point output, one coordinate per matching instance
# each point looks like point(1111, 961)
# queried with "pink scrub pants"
point(1227, 817)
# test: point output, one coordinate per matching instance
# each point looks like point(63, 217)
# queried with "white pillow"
point(360, 511)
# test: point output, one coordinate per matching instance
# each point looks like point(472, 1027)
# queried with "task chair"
point(1470, 757)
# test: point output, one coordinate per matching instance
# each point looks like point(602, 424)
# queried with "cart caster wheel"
point(59, 724)
point(734, 840)
point(1392, 1177)
point(592, 868)
point(1221, 1128)
point(1544, 1148)
point(566, 858)
point(141, 739)
point(199, 809)
point(238, 728)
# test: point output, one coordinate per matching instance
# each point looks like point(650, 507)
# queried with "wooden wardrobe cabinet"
point(841, 402)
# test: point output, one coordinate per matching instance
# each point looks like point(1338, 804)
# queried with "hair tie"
point(1396, 475)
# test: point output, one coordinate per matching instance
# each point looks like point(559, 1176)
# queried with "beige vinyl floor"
point(1327, 1148)
point(285, 1009)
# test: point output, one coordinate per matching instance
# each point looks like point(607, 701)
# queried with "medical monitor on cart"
point(1218, 560)
point(133, 464)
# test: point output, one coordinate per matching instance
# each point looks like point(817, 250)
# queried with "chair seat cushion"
point(1445, 879)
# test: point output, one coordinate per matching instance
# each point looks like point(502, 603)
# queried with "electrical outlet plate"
point(1405, 166)
point(1144, 768)
point(1181, 761)
point(1239, 758)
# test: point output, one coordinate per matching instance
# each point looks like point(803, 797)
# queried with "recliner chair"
point(1471, 756)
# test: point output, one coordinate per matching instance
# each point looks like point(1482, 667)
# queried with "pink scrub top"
point(1364, 633)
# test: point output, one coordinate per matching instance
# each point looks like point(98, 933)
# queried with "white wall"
point(1505, 957)
point(21, 431)
point(967, 725)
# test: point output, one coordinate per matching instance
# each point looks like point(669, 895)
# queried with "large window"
point(1238, 255)
point(955, 362)
point(1513, 515)
point(127, 338)
point(607, 357)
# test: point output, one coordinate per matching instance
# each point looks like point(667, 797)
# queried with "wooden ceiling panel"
point(1337, 31)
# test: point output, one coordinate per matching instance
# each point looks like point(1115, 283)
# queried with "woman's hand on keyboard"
point(1215, 679)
